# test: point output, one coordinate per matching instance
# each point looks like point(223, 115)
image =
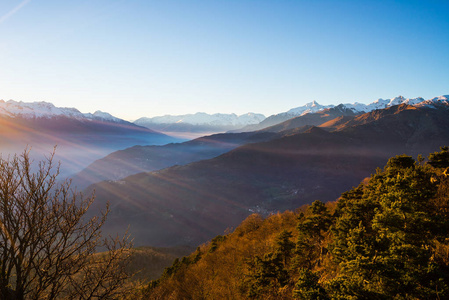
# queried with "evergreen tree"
point(284, 246)
point(389, 252)
point(310, 247)
point(307, 286)
point(267, 275)
point(440, 159)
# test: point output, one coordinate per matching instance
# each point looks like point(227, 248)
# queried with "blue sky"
point(148, 58)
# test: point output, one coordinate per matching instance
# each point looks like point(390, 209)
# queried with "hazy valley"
point(210, 150)
point(180, 194)
point(80, 138)
point(184, 193)
point(200, 200)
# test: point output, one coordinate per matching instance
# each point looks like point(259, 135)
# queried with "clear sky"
point(147, 58)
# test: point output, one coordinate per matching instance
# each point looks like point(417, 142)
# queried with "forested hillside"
point(190, 204)
point(386, 238)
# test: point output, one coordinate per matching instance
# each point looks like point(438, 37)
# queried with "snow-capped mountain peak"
point(202, 118)
point(310, 107)
point(41, 109)
point(435, 102)
point(103, 116)
point(384, 103)
point(397, 100)
point(443, 98)
point(47, 110)
point(357, 107)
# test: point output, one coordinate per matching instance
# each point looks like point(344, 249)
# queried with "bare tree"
point(47, 246)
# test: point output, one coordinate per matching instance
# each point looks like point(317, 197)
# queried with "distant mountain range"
point(314, 107)
point(138, 159)
point(190, 204)
point(199, 123)
point(150, 158)
point(80, 138)
point(14, 109)
point(206, 119)
point(195, 123)
point(197, 189)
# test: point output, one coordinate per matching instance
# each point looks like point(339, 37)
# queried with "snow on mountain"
point(13, 108)
point(435, 102)
point(311, 107)
point(201, 118)
point(314, 107)
point(357, 107)
point(42, 109)
point(102, 116)
point(382, 103)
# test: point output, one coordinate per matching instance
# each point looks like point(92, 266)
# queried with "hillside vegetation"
point(387, 238)
point(190, 204)
point(148, 263)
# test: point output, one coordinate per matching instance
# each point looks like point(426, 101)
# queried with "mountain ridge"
point(201, 118)
point(80, 138)
point(207, 196)
point(42, 109)
point(356, 108)
point(150, 158)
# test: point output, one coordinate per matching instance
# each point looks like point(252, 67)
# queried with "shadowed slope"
point(149, 158)
point(192, 203)
point(79, 141)
point(312, 119)
point(137, 159)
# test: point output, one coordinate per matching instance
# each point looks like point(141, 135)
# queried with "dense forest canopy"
point(387, 238)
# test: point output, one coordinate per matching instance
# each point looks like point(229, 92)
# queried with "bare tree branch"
point(47, 246)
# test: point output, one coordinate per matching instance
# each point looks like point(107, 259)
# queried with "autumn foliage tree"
point(47, 246)
point(387, 238)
